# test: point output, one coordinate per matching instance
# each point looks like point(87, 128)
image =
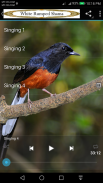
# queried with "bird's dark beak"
point(74, 53)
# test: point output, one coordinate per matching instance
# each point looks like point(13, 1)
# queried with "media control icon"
point(6, 162)
point(71, 148)
point(31, 148)
point(98, 85)
point(51, 148)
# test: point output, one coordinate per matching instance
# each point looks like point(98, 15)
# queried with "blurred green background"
point(83, 117)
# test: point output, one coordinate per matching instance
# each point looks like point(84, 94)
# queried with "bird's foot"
point(52, 95)
point(29, 103)
point(48, 92)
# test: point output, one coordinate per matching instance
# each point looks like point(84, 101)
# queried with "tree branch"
point(13, 111)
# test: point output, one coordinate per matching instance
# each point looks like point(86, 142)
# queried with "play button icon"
point(51, 148)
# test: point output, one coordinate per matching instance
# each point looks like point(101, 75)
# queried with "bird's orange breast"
point(40, 79)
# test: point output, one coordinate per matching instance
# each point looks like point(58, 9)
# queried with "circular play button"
point(6, 162)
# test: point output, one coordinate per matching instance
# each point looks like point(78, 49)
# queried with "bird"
point(38, 73)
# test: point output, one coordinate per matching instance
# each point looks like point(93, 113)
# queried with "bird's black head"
point(62, 51)
point(56, 54)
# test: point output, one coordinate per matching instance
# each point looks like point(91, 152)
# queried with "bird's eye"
point(63, 48)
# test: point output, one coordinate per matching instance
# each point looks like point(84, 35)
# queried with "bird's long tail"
point(6, 130)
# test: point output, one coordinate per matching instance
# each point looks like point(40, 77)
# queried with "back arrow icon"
point(2, 13)
point(22, 177)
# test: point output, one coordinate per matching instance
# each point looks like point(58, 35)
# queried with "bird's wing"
point(28, 69)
